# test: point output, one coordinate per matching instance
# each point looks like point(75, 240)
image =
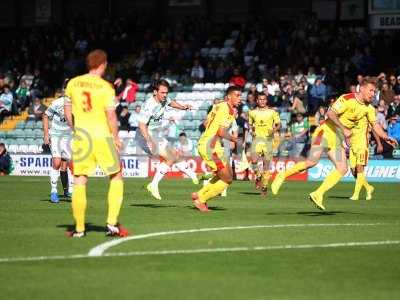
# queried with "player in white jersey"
point(150, 136)
point(58, 136)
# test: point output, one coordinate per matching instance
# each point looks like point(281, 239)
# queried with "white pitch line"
point(196, 251)
point(101, 248)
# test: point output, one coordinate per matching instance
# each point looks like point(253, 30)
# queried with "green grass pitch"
point(304, 261)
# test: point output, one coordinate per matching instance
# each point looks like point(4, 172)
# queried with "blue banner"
point(376, 171)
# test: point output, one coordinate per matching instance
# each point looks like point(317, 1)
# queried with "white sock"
point(54, 174)
point(184, 167)
point(162, 169)
point(205, 182)
point(70, 181)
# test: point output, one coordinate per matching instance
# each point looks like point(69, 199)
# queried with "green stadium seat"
point(29, 133)
point(20, 125)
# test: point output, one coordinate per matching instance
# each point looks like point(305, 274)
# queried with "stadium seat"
point(23, 148)
point(29, 133)
point(204, 52)
point(20, 125)
point(34, 149)
point(219, 86)
point(198, 86)
point(213, 52)
point(13, 148)
point(229, 42)
point(30, 124)
point(38, 125)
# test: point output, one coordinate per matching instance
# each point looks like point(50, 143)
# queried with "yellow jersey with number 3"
point(221, 115)
point(90, 97)
point(263, 121)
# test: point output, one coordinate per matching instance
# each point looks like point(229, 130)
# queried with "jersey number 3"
point(87, 102)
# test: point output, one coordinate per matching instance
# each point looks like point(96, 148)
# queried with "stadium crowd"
point(302, 67)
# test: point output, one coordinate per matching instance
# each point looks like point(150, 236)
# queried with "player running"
point(211, 151)
point(331, 136)
point(358, 157)
point(264, 122)
point(150, 136)
point(90, 111)
point(58, 137)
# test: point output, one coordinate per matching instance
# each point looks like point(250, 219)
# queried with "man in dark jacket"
point(5, 161)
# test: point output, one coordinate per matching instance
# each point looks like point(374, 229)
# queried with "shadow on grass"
point(62, 199)
point(216, 208)
point(249, 193)
point(151, 205)
point(339, 197)
point(88, 227)
point(315, 213)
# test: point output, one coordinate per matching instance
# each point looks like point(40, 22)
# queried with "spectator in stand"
point(27, 77)
point(6, 103)
point(134, 118)
point(220, 72)
point(311, 76)
point(381, 117)
point(168, 77)
point(298, 104)
point(209, 73)
point(299, 135)
point(318, 94)
point(237, 79)
point(128, 95)
point(394, 127)
point(394, 107)
point(320, 115)
point(23, 95)
point(123, 119)
point(197, 72)
point(36, 110)
point(273, 87)
point(6, 165)
point(396, 86)
point(184, 146)
point(172, 130)
point(38, 86)
point(386, 93)
point(251, 100)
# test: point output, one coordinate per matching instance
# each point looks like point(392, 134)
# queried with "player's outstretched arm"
point(68, 113)
point(177, 105)
point(334, 118)
point(382, 134)
point(113, 125)
point(46, 137)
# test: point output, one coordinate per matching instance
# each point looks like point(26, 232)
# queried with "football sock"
point(184, 167)
point(115, 195)
point(70, 180)
point(330, 181)
point(265, 178)
point(363, 180)
point(214, 189)
point(297, 168)
point(162, 169)
point(79, 206)
point(54, 174)
point(206, 186)
point(359, 184)
point(64, 180)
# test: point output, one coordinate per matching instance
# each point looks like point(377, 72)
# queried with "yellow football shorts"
point(213, 157)
point(262, 147)
point(88, 152)
point(326, 137)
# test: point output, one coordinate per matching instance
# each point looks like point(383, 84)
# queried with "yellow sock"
point(359, 184)
point(115, 195)
point(297, 168)
point(330, 181)
point(363, 180)
point(79, 206)
point(205, 188)
point(265, 178)
point(215, 189)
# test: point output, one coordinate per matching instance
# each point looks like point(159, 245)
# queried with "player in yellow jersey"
point(90, 110)
point(331, 136)
point(264, 122)
point(358, 157)
point(211, 151)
